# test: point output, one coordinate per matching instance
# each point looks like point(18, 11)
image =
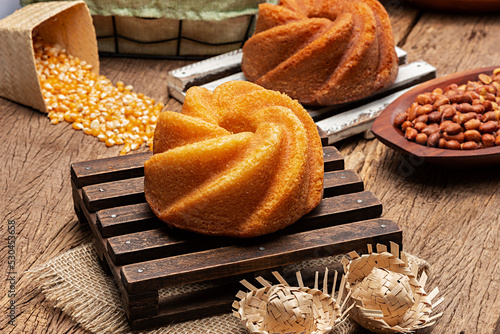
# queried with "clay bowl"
point(388, 134)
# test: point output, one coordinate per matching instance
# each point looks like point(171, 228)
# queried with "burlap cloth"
point(75, 283)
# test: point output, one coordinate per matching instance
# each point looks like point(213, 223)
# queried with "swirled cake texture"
point(241, 161)
point(322, 52)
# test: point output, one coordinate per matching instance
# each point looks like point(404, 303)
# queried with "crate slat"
point(126, 219)
point(248, 256)
point(108, 169)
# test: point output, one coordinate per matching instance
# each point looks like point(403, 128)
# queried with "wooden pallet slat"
point(126, 219)
point(144, 255)
point(245, 257)
point(108, 169)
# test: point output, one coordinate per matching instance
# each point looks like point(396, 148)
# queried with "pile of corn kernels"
point(73, 93)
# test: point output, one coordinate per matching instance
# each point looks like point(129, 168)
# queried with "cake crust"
point(242, 161)
point(322, 52)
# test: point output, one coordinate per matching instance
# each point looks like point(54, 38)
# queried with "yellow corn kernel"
point(77, 126)
point(110, 142)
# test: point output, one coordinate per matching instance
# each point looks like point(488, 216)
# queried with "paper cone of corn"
point(284, 309)
point(65, 23)
point(386, 294)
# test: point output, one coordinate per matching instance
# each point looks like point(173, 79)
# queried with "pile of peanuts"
point(73, 93)
point(462, 117)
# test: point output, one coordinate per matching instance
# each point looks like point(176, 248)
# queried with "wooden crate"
point(145, 256)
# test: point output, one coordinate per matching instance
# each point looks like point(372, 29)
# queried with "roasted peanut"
point(488, 127)
point(472, 135)
point(488, 140)
point(451, 87)
point(452, 144)
point(411, 134)
point(424, 99)
point(463, 118)
point(433, 139)
point(434, 117)
point(451, 128)
point(460, 137)
point(478, 108)
point(489, 116)
point(437, 91)
point(400, 119)
point(470, 96)
point(440, 101)
point(421, 138)
point(469, 145)
point(472, 124)
point(412, 112)
point(449, 112)
point(422, 119)
point(431, 128)
point(444, 124)
point(486, 79)
point(420, 126)
point(455, 97)
point(465, 107)
point(424, 110)
point(490, 97)
point(488, 106)
point(406, 125)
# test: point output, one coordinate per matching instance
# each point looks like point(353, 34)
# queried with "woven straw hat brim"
point(255, 317)
point(370, 309)
point(284, 309)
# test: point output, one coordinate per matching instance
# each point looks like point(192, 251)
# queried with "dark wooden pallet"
point(144, 255)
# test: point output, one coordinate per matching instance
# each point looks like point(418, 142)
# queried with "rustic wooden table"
point(451, 218)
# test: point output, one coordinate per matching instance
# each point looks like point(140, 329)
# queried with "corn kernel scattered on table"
point(73, 93)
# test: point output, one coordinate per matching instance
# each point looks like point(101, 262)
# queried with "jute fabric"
point(75, 283)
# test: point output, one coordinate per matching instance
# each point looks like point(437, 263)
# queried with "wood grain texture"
point(449, 218)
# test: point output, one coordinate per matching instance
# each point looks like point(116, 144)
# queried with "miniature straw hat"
point(284, 309)
point(387, 296)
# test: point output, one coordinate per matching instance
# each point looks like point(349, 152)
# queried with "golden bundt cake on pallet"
point(322, 52)
point(242, 161)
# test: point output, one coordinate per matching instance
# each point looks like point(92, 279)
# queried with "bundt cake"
point(322, 52)
point(241, 161)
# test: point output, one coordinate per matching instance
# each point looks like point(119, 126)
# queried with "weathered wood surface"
point(449, 218)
